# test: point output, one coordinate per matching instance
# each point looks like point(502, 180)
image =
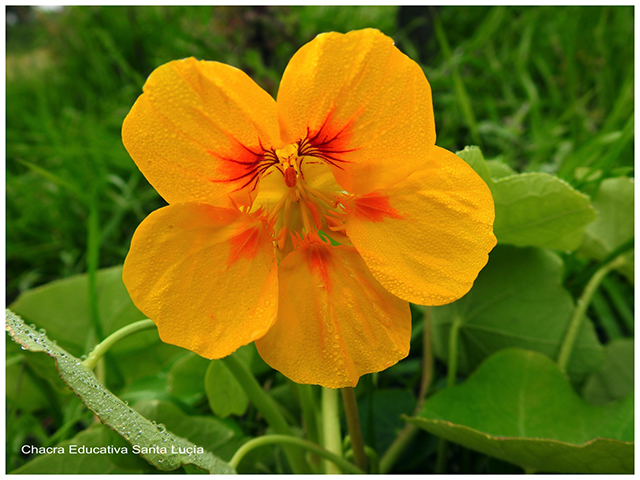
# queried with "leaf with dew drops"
point(112, 411)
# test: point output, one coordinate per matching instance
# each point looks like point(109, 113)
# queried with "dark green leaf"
point(517, 301)
point(614, 380)
point(520, 408)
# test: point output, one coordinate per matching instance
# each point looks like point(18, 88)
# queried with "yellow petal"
point(368, 104)
point(205, 275)
point(335, 322)
point(426, 238)
point(198, 126)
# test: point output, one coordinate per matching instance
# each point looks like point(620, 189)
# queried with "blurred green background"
point(544, 88)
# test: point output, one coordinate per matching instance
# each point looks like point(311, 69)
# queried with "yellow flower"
point(257, 189)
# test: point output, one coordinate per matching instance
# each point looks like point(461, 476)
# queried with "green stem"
point(578, 314)
point(340, 462)
point(104, 346)
point(93, 259)
point(331, 426)
point(452, 373)
point(409, 431)
point(353, 424)
point(267, 407)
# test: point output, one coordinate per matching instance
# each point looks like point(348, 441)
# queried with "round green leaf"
point(517, 301)
point(540, 210)
point(62, 309)
point(520, 408)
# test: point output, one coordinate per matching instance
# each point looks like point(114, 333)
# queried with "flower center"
point(300, 197)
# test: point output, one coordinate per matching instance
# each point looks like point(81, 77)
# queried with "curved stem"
point(267, 407)
point(578, 314)
point(104, 346)
point(340, 462)
point(331, 426)
point(353, 423)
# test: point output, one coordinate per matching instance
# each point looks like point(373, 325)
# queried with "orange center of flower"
point(300, 198)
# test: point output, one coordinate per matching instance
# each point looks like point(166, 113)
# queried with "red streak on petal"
point(374, 208)
point(244, 245)
point(319, 259)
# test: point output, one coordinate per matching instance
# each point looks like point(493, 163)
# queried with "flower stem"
point(331, 426)
point(353, 423)
point(452, 373)
point(268, 407)
point(340, 462)
point(578, 314)
point(104, 346)
point(409, 431)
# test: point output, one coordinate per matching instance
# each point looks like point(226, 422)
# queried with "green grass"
point(544, 88)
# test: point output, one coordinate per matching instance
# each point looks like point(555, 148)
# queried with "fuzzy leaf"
point(112, 411)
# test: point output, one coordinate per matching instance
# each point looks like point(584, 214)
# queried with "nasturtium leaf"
point(499, 169)
point(532, 209)
point(112, 411)
point(185, 379)
point(615, 379)
point(226, 396)
point(517, 301)
point(473, 156)
point(540, 210)
point(204, 431)
point(63, 309)
point(520, 408)
point(78, 463)
point(614, 202)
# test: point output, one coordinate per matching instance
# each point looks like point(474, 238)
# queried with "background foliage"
point(543, 90)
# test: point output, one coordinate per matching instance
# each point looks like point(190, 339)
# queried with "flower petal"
point(205, 275)
point(335, 322)
point(198, 130)
point(367, 105)
point(426, 238)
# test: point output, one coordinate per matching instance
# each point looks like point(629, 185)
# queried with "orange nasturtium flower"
point(307, 224)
